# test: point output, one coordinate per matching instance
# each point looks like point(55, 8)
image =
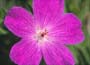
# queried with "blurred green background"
point(79, 7)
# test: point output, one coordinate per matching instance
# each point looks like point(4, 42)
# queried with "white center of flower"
point(41, 36)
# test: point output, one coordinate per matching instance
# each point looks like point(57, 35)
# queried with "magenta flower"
point(45, 33)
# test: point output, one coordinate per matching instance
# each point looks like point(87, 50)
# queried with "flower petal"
point(18, 21)
point(25, 52)
point(57, 55)
point(68, 30)
point(47, 10)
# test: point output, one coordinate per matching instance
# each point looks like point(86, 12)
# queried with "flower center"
point(41, 36)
